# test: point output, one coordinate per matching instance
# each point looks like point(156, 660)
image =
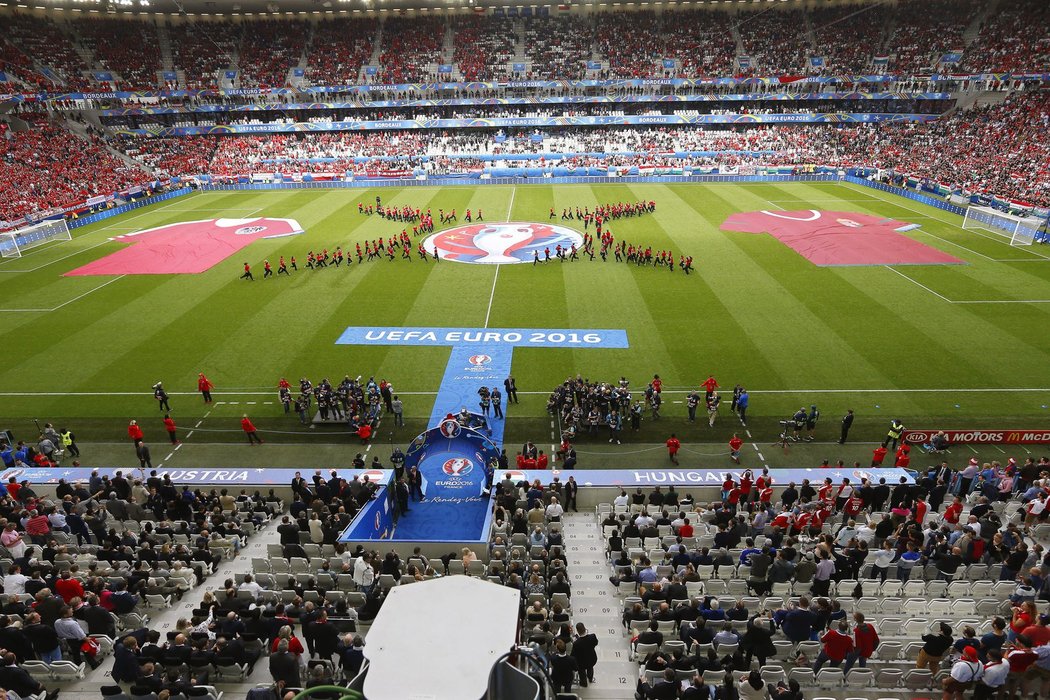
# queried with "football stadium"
point(393, 349)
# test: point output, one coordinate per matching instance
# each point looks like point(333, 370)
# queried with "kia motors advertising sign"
point(982, 437)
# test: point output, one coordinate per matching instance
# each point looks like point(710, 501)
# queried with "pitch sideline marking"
point(65, 303)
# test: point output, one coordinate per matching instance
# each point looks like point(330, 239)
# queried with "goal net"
point(1020, 230)
point(12, 243)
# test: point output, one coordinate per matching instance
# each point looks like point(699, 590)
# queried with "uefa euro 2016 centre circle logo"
point(458, 466)
point(501, 244)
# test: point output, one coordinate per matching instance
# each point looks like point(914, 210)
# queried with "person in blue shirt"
point(711, 610)
point(745, 556)
point(798, 622)
point(742, 402)
point(7, 455)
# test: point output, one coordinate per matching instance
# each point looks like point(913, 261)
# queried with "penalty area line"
point(920, 284)
point(65, 303)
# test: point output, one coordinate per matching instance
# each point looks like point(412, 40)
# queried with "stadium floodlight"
point(12, 243)
point(1019, 230)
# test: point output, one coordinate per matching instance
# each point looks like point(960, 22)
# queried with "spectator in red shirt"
point(249, 430)
point(903, 456)
point(69, 587)
point(878, 455)
point(866, 641)
point(727, 486)
point(38, 527)
point(13, 487)
point(686, 530)
point(838, 644)
point(1038, 633)
point(951, 513)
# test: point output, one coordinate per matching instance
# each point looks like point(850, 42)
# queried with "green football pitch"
point(936, 346)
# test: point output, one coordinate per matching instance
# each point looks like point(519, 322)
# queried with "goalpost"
point(12, 243)
point(1020, 230)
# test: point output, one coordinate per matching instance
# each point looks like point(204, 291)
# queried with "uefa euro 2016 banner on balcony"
point(540, 84)
point(531, 122)
point(537, 100)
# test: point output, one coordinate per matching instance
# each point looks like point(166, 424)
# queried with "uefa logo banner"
point(457, 466)
point(502, 244)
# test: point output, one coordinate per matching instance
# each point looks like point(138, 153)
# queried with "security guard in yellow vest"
point(894, 434)
point(69, 442)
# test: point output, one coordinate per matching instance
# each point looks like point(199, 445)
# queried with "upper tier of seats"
point(909, 37)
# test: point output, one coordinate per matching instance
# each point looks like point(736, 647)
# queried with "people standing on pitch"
point(713, 400)
point(511, 388)
point(734, 448)
point(161, 396)
point(135, 433)
point(403, 493)
point(204, 386)
point(742, 403)
point(485, 401)
point(282, 267)
point(398, 409)
point(247, 273)
point(798, 423)
point(847, 423)
point(250, 431)
point(267, 270)
point(736, 396)
point(69, 441)
point(615, 425)
point(170, 428)
point(894, 434)
point(415, 484)
point(709, 384)
point(636, 416)
point(691, 402)
point(142, 451)
point(494, 394)
point(673, 445)
point(811, 422)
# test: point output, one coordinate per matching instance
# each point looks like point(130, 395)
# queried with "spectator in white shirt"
point(866, 532)
point(883, 558)
point(622, 499)
point(554, 510)
point(15, 581)
point(249, 584)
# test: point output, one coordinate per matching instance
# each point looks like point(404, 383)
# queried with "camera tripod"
point(784, 439)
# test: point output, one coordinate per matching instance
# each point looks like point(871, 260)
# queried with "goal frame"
point(1016, 228)
point(12, 243)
